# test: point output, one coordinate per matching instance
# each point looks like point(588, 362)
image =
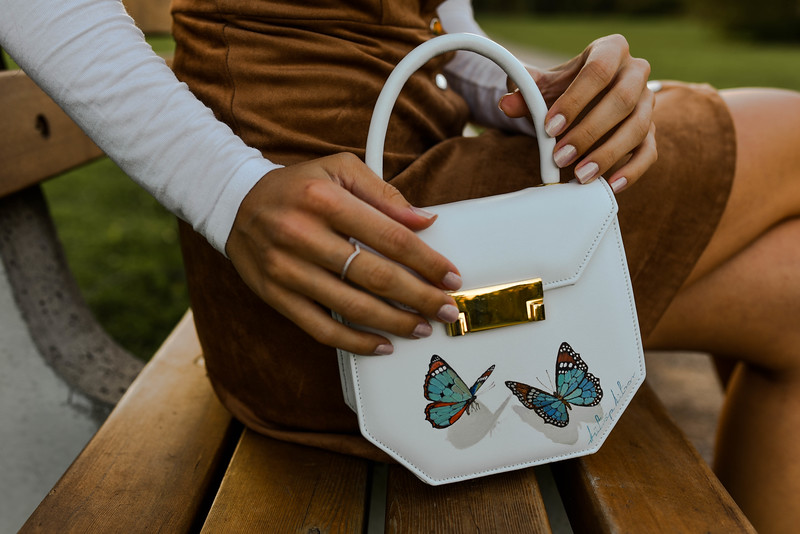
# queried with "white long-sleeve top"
point(91, 59)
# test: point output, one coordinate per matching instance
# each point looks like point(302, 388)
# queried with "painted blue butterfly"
point(449, 395)
point(575, 386)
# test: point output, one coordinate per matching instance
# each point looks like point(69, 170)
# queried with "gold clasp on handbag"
point(496, 306)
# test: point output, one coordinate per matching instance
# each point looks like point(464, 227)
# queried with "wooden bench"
point(170, 458)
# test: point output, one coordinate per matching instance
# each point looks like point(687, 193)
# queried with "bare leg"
point(743, 301)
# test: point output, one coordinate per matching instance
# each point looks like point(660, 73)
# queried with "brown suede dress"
point(298, 80)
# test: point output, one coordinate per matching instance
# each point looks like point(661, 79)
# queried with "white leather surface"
point(577, 250)
point(566, 234)
point(551, 230)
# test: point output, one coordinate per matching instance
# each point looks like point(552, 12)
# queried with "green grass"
point(122, 247)
point(677, 48)
point(162, 44)
point(7, 61)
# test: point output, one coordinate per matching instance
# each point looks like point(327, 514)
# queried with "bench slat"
point(273, 486)
point(646, 478)
point(39, 139)
point(149, 466)
point(508, 502)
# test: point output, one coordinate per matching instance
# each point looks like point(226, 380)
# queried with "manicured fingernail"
point(451, 281)
point(565, 155)
point(555, 125)
point(619, 184)
point(423, 330)
point(500, 102)
point(423, 213)
point(383, 350)
point(448, 313)
point(586, 172)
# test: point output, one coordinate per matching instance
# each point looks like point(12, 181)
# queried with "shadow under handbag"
point(547, 352)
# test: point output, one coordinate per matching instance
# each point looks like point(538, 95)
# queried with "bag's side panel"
point(346, 372)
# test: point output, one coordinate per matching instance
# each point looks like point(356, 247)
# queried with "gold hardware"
point(436, 26)
point(497, 306)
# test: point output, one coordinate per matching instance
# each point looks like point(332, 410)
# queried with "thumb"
point(513, 103)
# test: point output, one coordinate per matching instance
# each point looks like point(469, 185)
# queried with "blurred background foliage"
point(677, 47)
point(764, 20)
point(122, 248)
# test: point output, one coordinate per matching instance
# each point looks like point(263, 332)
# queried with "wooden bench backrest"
point(39, 140)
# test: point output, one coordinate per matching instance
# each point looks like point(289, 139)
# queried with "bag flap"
point(545, 232)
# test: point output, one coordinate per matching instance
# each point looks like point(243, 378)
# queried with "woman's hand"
point(289, 243)
point(601, 110)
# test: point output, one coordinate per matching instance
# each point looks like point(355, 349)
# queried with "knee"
point(760, 98)
point(768, 148)
point(764, 113)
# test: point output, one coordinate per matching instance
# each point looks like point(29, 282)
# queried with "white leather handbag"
point(547, 352)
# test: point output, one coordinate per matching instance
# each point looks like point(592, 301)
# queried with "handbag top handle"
point(448, 43)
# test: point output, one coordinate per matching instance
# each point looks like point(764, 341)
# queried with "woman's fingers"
point(600, 147)
point(304, 292)
point(603, 113)
point(318, 323)
point(349, 172)
point(290, 243)
point(628, 98)
point(352, 174)
point(602, 61)
point(642, 157)
point(362, 206)
point(374, 273)
point(352, 303)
